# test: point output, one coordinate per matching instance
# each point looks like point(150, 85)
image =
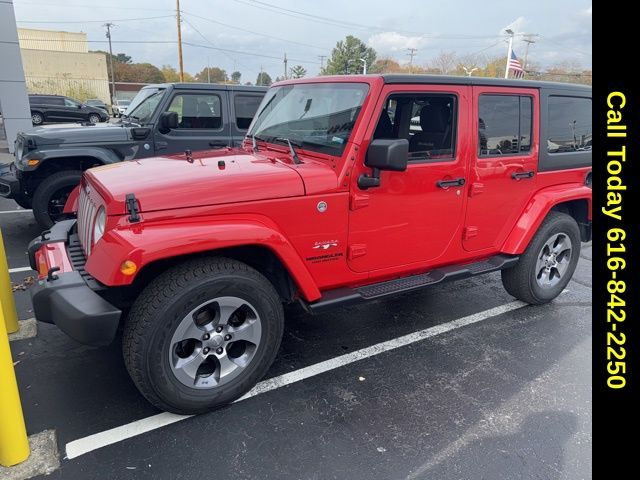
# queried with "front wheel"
point(548, 263)
point(202, 334)
point(94, 118)
point(51, 196)
point(37, 118)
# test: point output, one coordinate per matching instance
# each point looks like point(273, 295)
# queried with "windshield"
point(123, 103)
point(317, 117)
point(144, 104)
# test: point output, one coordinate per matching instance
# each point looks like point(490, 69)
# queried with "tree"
point(122, 58)
point(172, 75)
point(215, 75)
point(236, 76)
point(297, 71)
point(445, 62)
point(264, 79)
point(346, 58)
point(138, 73)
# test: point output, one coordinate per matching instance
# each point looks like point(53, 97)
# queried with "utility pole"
point(285, 65)
point(208, 71)
point(506, 68)
point(322, 57)
point(179, 41)
point(529, 39)
point(113, 73)
point(260, 77)
point(364, 65)
point(412, 53)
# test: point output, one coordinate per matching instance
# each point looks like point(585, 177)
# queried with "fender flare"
point(154, 241)
point(71, 205)
point(537, 209)
point(103, 155)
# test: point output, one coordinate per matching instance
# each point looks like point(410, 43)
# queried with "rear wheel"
point(37, 118)
point(51, 196)
point(202, 334)
point(94, 118)
point(547, 265)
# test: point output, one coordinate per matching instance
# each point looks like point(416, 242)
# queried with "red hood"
point(163, 183)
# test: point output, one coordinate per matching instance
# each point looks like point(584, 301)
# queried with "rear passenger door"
point(54, 109)
point(244, 106)
point(503, 175)
point(203, 122)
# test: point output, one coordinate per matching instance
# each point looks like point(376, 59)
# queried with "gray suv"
point(162, 119)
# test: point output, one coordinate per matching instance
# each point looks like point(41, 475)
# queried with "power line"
point(95, 21)
point(253, 32)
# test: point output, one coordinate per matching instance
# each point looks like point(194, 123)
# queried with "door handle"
point(456, 182)
point(161, 145)
point(521, 175)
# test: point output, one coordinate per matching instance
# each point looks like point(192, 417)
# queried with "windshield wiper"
point(292, 150)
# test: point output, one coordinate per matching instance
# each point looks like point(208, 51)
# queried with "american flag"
point(515, 66)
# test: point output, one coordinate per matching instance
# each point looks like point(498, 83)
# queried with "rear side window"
point(504, 125)
point(246, 107)
point(197, 111)
point(569, 124)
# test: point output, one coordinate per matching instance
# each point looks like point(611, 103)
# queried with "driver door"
point(412, 219)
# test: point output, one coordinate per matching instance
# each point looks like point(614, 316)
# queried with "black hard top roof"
point(209, 86)
point(393, 78)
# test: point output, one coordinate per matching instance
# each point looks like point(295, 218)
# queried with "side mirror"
point(384, 154)
point(168, 121)
point(82, 105)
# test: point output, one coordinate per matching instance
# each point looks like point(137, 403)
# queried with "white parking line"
point(20, 269)
point(19, 210)
point(108, 437)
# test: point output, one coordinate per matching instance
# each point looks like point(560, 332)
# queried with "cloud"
point(517, 26)
point(587, 12)
point(387, 42)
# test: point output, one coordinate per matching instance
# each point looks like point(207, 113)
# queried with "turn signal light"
point(128, 267)
point(32, 162)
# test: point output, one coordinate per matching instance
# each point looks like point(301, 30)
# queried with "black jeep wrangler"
point(162, 119)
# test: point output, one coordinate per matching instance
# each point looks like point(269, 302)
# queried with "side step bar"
point(345, 296)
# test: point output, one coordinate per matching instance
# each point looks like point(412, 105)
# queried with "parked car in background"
point(162, 119)
point(120, 107)
point(58, 108)
point(95, 102)
point(333, 199)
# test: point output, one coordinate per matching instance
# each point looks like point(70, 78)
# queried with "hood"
point(74, 133)
point(214, 178)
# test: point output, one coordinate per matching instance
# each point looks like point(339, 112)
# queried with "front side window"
point(144, 104)
point(504, 125)
point(197, 111)
point(316, 117)
point(246, 107)
point(427, 121)
point(570, 125)
point(71, 103)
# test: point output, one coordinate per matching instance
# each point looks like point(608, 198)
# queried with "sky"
point(250, 35)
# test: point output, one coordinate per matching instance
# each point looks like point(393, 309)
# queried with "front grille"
point(78, 260)
point(86, 217)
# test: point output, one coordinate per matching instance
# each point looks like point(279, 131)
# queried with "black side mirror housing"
point(384, 154)
point(168, 121)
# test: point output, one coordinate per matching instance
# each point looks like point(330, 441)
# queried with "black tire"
point(160, 309)
point(50, 195)
point(521, 280)
point(94, 118)
point(37, 118)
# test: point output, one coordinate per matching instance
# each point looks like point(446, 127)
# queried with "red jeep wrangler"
point(345, 189)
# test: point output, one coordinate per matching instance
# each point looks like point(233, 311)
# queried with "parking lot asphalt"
point(505, 397)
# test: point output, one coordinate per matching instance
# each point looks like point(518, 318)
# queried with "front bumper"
point(64, 297)
point(9, 184)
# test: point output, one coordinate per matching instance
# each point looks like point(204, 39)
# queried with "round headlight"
point(99, 224)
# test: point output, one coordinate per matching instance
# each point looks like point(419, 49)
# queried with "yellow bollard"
point(6, 292)
point(14, 444)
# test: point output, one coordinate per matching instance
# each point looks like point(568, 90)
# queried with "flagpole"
point(506, 68)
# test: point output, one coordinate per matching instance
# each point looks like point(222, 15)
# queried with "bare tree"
point(445, 62)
